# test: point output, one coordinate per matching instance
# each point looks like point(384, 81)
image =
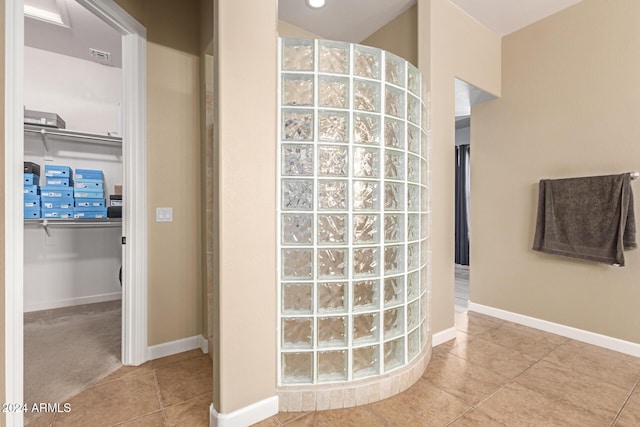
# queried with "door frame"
point(134, 147)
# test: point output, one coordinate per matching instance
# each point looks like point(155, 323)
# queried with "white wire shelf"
point(52, 134)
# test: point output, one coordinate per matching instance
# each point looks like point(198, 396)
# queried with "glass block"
point(394, 70)
point(332, 160)
point(332, 195)
point(297, 89)
point(333, 92)
point(297, 55)
point(394, 102)
point(413, 139)
point(332, 263)
point(296, 332)
point(424, 305)
point(297, 159)
point(366, 96)
point(393, 260)
point(413, 230)
point(365, 294)
point(413, 109)
point(424, 334)
point(297, 125)
point(297, 298)
point(365, 162)
point(393, 133)
point(393, 228)
point(424, 226)
point(297, 368)
point(366, 62)
point(413, 344)
point(413, 168)
point(424, 146)
point(366, 129)
point(424, 198)
point(393, 290)
point(424, 173)
point(413, 198)
point(413, 314)
point(413, 285)
point(393, 164)
point(333, 126)
point(332, 331)
point(332, 297)
point(297, 263)
point(332, 229)
point(365, 261)
point(365, 361)
point(413, 256)
point(393, 196)
point(424, 276)
point(424, 252)
point(393, 322)
point(365, 328)
point(425, 116)
point(297, 229)
point(297, 194)
point(365, 195)
point(393, 354)
point(332, 365)
point(333, 57)
point(413, 79)
point(365, 229)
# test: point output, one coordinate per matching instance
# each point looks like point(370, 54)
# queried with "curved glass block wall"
point(353, 212)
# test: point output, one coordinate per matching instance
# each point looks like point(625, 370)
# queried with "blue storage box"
point(88, 194)
point(55, 191)
point(31, 190)
point(89, 174)
point(58, 181)
point(92, 213)
point(57, 213)
point(56, 203)
point(31, 179)
point(93, 203)
point(58, 171)
point(30, 213)
point(89, 184)
point(32, 203)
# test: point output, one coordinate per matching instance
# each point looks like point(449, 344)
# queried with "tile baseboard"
point(246, 416)
point(588, 337)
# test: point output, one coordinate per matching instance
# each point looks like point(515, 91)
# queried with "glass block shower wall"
point(353, 212)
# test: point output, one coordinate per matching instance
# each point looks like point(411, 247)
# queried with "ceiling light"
point(316, 4)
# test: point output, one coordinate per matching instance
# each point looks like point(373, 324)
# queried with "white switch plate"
point(164, 214)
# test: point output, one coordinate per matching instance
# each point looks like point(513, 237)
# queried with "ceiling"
point(80, 32)
point(355, 20)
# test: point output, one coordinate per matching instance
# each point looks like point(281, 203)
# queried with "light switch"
point(164, 214)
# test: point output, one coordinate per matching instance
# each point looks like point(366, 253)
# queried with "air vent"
point(100, 55)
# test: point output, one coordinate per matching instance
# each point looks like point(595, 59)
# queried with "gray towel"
point(588, 218)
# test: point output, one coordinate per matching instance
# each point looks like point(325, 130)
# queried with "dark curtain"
point(462, 204)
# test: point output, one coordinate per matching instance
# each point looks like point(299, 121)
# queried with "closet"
point(72, 264)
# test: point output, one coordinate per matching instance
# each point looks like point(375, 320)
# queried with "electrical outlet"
point(164, 214)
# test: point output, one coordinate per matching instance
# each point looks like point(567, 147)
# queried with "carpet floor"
point(69, 348)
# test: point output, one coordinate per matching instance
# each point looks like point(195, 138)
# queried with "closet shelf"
point(72, 136)
point(94, 223)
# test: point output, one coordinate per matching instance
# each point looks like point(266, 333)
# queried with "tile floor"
point(172, 391)
point(497, 373)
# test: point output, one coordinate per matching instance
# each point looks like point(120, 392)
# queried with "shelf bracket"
point(45, 143)
point(45, 225)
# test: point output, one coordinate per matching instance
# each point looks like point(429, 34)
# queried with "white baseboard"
point(69, 302)
point(177, 346)
point(246, 416)
point(593, 338)
point(443, 336)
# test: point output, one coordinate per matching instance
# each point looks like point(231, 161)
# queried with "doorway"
point(134, 274)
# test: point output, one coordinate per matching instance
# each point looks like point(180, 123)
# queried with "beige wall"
point(570, 106)
point(245, 146)
point(2, 215)
point(286, 29)
point(456, 46)
point(173, 163)
point(398, 36)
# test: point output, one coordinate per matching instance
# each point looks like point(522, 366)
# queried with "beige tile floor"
point(498, 373)
point(172, 391)
point(495, 373)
